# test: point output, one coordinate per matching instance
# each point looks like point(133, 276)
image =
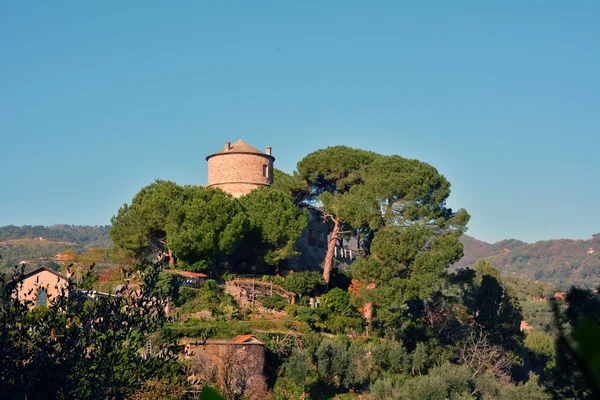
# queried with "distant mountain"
point(563, 262)
point(37, 245)
point(87, 236)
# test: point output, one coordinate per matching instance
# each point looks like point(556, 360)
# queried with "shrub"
point(315, 317)
point(292, 310)
point(303, 283)
point(274, 302)
point(341, 323)
point(186, 294)
point(338, 301)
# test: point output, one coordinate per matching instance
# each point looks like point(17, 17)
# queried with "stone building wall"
point(312, 245)
point(239, 173)
point(236, 369)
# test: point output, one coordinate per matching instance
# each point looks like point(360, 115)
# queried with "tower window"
point(265, 170)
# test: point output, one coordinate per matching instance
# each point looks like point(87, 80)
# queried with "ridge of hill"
point(87, 236)
point(38, 244)
point(562, 262)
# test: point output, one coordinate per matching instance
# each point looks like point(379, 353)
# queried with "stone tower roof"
point(240, 147)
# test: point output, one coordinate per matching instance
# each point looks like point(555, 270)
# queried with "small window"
point(265, 170)
point(311, 237)
point(41, 298)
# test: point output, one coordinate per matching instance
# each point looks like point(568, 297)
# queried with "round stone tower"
point(239, 168)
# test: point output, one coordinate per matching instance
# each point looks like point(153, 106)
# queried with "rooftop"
point(41, 269)
point(240, 147)
point(187, 274)
point(238, 340)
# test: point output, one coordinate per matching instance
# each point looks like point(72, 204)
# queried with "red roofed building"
point(189, 279)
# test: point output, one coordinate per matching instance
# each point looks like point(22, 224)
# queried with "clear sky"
point(98, 99)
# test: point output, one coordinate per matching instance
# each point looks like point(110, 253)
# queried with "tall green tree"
point(577, 372)
point(78, 349)
point(192, 225)
point(415, 237)
point(279, 222)
point(496, 308)
point(206, 223)
point(290, 184)
point(140, 229)
point(330, 174)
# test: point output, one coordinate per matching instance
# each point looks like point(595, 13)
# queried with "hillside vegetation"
point(199, 264)
point(562, 262)
point(37, 245)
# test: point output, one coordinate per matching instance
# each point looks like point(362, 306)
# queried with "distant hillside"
point(562, 262)
point(87, 236)
point(38, 244)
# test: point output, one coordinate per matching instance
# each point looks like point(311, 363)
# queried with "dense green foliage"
point(201, 228)
point(274, 302)
point(291, 185)
point(206, 223)
point(386, 199)
point(82, 349)
point(398, 324)
point(305, 283)
point(278, 221)
point(577, 373)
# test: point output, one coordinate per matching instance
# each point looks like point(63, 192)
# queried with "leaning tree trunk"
point(330, 250)
point(171, 258)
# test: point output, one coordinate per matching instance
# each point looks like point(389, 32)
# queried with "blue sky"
point(98, 99)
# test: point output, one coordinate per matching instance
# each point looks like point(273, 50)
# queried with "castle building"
point(239, 168)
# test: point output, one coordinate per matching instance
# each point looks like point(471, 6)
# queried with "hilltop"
point(38, 244)
point(87, 236)
point(562, 262)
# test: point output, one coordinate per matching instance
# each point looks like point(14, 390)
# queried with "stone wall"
point(239, 173)
point(235, 369)
point(312, 245)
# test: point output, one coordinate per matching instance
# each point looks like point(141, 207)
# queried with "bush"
point(186, 294)
point(277, 280)
point(211, 297)
point(297, 326)
point(338, 301)
point(315, 317)
point(342, 323)
point(303, 283)
point(274, 302)
point(292, 310)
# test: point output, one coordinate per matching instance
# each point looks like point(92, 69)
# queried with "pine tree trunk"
point(330, 250)
point(171, 258)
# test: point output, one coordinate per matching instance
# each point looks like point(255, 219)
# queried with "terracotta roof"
point(243, 338)
point(43, 268)
point(238, 340)
point(187, 274)
point(240, 147)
